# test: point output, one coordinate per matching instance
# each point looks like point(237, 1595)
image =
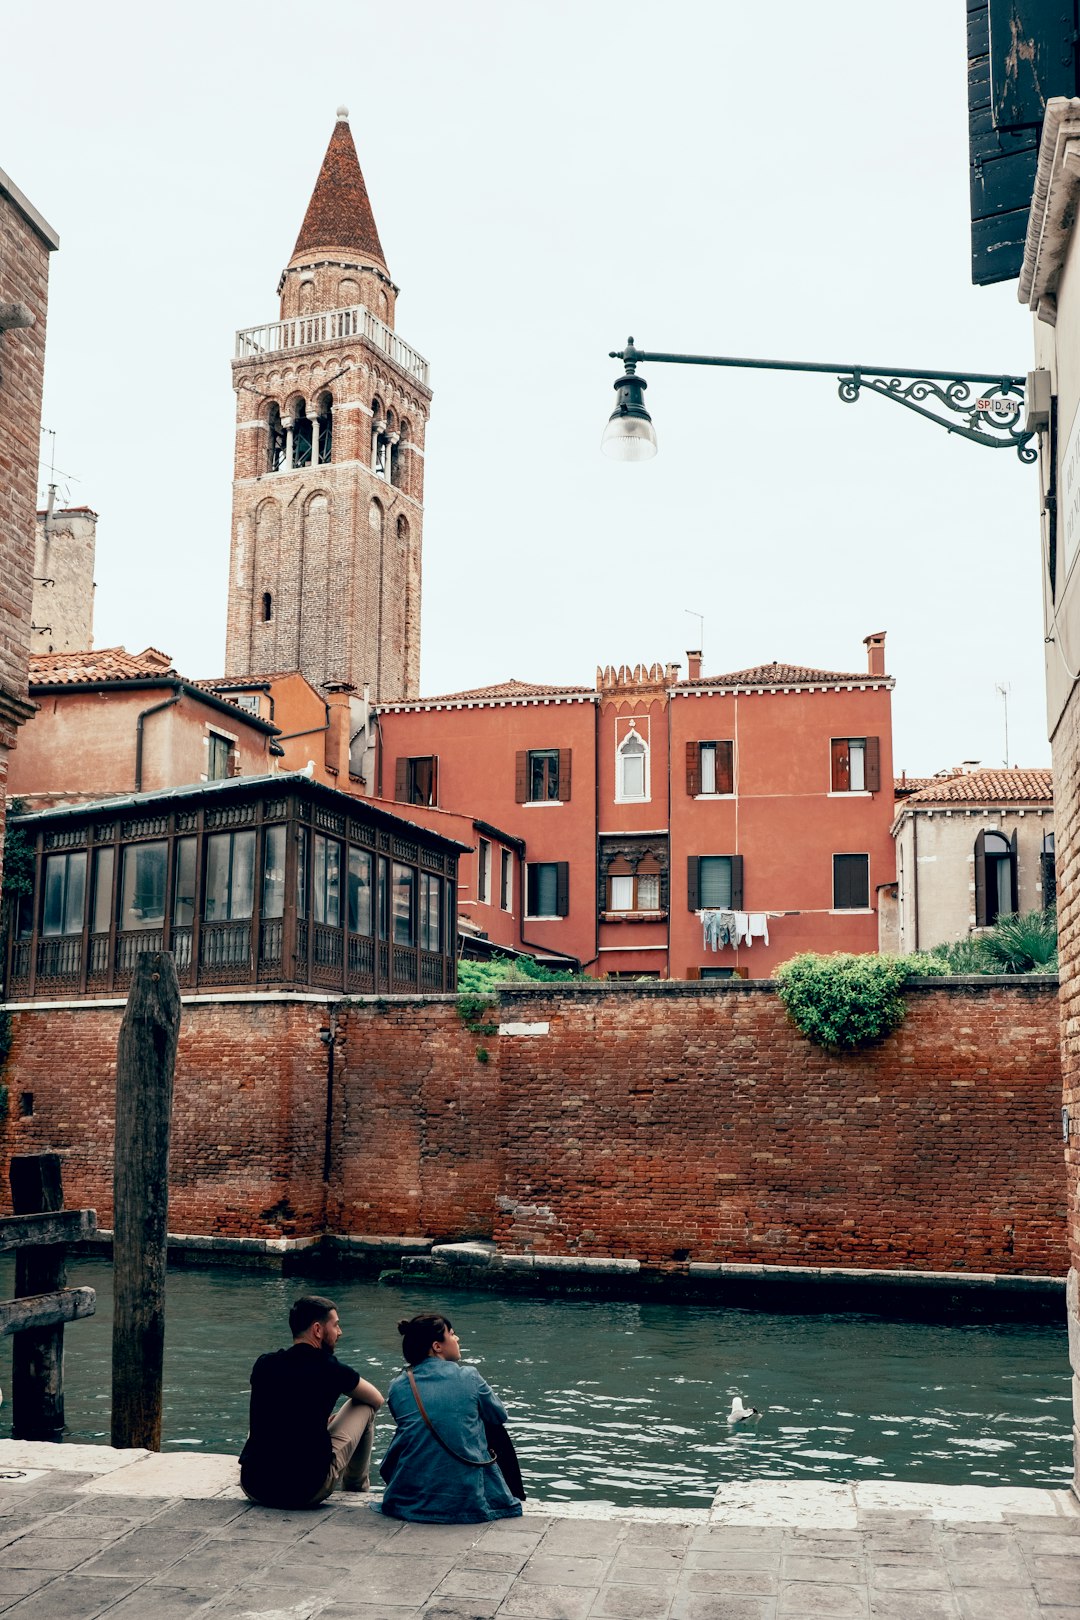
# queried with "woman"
point(438, 1468)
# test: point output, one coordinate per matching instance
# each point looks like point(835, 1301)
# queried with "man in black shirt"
point(296, 1451)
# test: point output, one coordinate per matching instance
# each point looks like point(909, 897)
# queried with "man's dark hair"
point(419, 1333)
point(308, 1309)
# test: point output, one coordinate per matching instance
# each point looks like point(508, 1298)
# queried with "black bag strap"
point(471, 1461)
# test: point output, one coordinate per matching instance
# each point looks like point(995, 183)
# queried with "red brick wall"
point(665, 1122)
point(248, 1122)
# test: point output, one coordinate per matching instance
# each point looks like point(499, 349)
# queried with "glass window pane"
point(52, 921)
point(403, 887)
point(242, 888)
point(326, 881)
point(857, 764)
point(633, 775)
point(433, 913)
point(714, 881)
point(104, 861)
point(708, 767)
point(184, 883)
point(142, 903)
point(648, 892)
point(547, 889)
point(75, 893)
point(383, 900)
point(217, 877)
point(273, 892)
point(622, 893)
point(359, 891)
point(301, 871)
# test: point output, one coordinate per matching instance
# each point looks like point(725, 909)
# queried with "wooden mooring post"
point(39, 1232)
point(145, 1061)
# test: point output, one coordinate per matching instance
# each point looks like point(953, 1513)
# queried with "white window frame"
point(633, 798)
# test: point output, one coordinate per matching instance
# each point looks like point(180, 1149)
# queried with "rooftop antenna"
point(51, 486)
point(700, 617)
point(1004, 688)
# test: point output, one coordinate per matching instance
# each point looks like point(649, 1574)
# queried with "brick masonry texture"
point(24, 279)
point(1066, 754)
point(668, 1122)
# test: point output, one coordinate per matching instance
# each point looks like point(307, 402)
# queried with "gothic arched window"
point(301, 435)
point(275, 439)
point(267, 607)
point(632, 768)
point(995, 877)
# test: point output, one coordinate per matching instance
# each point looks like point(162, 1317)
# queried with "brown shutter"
point(725, 767)
point(1014, 872)
point(521, 776)
point(401, 780)
point(873, 764)
point(693, 768)
point(692, 882)
point(840, 893)
point(562, 888)
point(736, 883)
point(434, 779)
point(564, 782)
point(841, 765)
point(980, 881)
point(693, 973)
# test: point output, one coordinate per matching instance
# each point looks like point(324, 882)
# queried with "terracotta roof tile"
point(783, 675)
point(100, 664)
point(339, 214)
point(501, 690)
point(1018, 785)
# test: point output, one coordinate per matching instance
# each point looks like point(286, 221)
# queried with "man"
point(296, 1451)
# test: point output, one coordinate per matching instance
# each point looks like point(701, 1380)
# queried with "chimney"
point(336, 741)
point(875, 652)
point(693, 664)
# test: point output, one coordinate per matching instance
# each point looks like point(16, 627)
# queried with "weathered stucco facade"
point(64, 550)
point(1050, 286)
point(331, 410)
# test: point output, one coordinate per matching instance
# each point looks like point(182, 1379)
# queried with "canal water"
point(627, 1403)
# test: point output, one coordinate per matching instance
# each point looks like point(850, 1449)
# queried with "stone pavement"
point(87, 1531)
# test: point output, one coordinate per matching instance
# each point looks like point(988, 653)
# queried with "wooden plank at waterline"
point(65, 1226)
point(47, 1310)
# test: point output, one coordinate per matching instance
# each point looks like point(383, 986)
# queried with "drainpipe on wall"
point(155, 708)
point(915, 880)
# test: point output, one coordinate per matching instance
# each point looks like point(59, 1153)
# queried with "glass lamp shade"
point(629, 438)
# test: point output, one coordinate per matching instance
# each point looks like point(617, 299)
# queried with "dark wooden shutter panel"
point(980, 881)
point(692, 882)
point(872, 764)
point(693, 973)
point(521, 776)
point(1013, 873)
point(693, 768)
point(841, 885)
point(401, 780)
point(564, 781)
point(562, 888)
point(736, 883)
point(725, 767)
point(434, 779)
point(841, 765)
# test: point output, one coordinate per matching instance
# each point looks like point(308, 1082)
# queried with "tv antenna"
point(700, 617)
point(1004, 688)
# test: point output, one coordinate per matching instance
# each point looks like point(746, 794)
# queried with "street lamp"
point(985, 407)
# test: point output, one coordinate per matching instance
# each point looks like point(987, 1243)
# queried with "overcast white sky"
point(547, 177)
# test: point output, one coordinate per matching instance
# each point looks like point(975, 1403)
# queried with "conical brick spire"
point(339, 217)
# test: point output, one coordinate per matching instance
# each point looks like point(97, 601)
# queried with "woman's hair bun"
point(402, 1325)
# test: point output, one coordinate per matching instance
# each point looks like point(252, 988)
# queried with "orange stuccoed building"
point(706, 827)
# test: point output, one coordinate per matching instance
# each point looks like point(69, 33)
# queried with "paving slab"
point(170, 1537)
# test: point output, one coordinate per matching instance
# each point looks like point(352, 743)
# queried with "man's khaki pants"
point(352, 1431)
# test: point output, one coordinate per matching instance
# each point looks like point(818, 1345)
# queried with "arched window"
point(995, 877)
point(301, 435)
point(267, 607)
point(307, 296)
point(632, 768)
point(325, 425)
point(403, 530)
point(1048, 871)
point(379, 446)
point(275, 439)
point(348, 293)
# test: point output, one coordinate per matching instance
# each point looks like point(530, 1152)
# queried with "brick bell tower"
point(331, 409)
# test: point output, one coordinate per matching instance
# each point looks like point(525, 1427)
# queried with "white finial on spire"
point(343, 113)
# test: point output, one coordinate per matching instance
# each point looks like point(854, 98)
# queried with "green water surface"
point(627, 1403)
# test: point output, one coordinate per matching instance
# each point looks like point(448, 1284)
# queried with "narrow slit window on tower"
point(275, 440)
point(301, 435)
point(267, 607)
point(326, 429)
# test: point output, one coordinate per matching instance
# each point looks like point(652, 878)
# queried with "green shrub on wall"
point(843, 1002)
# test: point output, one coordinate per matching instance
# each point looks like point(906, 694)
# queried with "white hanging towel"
point(742, 927)
point(759, 926)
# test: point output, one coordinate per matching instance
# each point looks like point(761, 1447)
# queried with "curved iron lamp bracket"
point(985, 407)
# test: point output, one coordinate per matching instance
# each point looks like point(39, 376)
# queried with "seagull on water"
point(739, 1413)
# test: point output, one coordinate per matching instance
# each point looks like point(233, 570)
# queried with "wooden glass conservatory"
point(271, 882)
